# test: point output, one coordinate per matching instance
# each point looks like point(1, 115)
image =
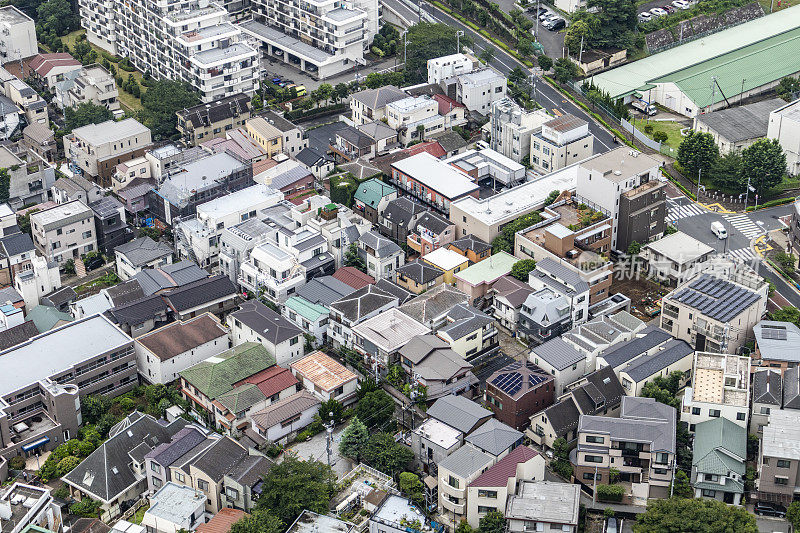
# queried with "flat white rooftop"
point(439, 433)
point(437, 175)
point(256, 195)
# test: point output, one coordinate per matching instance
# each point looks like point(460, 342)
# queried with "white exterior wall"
point(784, 125)
point(41, 279)
point(17, 35)
point(441, 68)
point(277, 432)
point(561, 378)
point(726, 411)
point(283, 352)
point(156, 371)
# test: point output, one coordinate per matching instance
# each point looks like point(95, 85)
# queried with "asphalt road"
point(545, 94)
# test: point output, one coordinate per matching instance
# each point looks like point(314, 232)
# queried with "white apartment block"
point(42, 277)
point(414, 113)
point(784, 125)
point(561, 142)
point(511, 128)
point(322, 37)
point(17, 35)
point(478, 90)
point(64, 232)
point(720, 387)
point(93, 84)
point(441, 68)
point(191, 41)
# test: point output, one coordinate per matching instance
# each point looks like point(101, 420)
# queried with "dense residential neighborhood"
point(399, 266)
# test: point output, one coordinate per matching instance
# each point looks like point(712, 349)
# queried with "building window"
point(233, 494)
point(180, 477)
point(662, 458)
point(783, 463)
point(739, 416)
point(714, 413)
point(155, 467)
point(202, 485)
point(486, 509)
point(590, 475)
point(594, 439)
point(709, 493)
point(294, 341)
point(781, 480)
point(453, 482)
point(487, 493)
point(593, 458)
point(695, 410)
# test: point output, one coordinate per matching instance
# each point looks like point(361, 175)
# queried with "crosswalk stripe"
point(743, 253)
point(744, 225)
point(676, 212)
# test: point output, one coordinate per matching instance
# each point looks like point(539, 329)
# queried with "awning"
point(35, 444)
point(595, 231)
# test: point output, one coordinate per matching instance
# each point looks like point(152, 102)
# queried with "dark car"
point(559, 24)
point(94, 262)
point(770, 509)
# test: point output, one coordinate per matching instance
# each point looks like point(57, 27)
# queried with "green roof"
point(241, 398)
point(45, 317)
point(720, 446)
point(216, 375)
point(729, 486)
point(371, 191)
point(734, 54)
point(306, 309)
point(491, 268)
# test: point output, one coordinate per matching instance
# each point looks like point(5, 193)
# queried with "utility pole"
point(672, 485)
point(594, 489)
point(537, 21)
point(329, 436)
point(699, 173)
point(580, 53)
point(741, 94)
point(405, 47)
point(746, 194)
point(459, 34)
point(713, 91)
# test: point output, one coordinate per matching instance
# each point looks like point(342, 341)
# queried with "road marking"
point(718, 208)
point(745, 254)
point(677, 211)
point(744, 225)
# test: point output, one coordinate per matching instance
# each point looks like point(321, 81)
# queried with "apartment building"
point(92, 84)
point(45, 376)
point(414, 117)
point(214, 119)
point(192, 42)
point(640, 444)
point(30, 177)
point(720, 388)
point(455, 473)
point(489, 168)
point(676, 258)
point(479, 89)
point(445, 67)
point(323, 38)
point(544, 505)
point(265, 135)
point(33, 105)
point(561, 141)
point(369, 105)
point(779, 458)
point(624, 184)
point(432, 181)
point(714, 314)
point(39, 277)
point(64, 232)
point(511, 128)
point(95, 150)
point(17, 36)
point(40, 139)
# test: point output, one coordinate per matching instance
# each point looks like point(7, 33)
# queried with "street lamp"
point(404, 35)
point(459, 34)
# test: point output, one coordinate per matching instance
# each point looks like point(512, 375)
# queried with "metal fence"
point(640, 136)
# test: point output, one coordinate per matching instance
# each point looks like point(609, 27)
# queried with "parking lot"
point(274, 67)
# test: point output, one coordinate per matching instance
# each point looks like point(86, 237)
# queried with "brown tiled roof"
point(323, 371)
point(178, 337)
point(222, 521)
point(284, 409)
point(271, 380)
point(353, 277)
point(497, 475)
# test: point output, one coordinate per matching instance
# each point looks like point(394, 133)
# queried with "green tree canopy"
point(160, 103)
point(383, 453)
point(545, 63)
point(86, 113)
point(580, 31)
point(354, 438)
point(698, 152)
point(764, 163)
point(376, 408)
point(681, 486)
point(492, 522)
point(787, 314)
point(259, 521)
point(522, 268)
point(294, 485)
point(411, 486)
point(726, 172)
point(614, 24)
point(353, 259)
point(681, 515)
point(331, 409)
point(57, 16)
point(427, 40)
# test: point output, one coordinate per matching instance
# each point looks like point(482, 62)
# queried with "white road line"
point(744, 225)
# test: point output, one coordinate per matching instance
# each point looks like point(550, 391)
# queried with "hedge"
point(772, 203)
point(610, 493)
point(680, 185)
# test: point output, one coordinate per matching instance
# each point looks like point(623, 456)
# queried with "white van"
point(719, 230)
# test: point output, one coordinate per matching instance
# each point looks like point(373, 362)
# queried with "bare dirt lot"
point(642, 292)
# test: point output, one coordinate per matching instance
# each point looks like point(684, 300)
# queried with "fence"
point(639, 136)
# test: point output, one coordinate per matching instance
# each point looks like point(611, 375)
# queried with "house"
point(114, 473)
point(400, 217)
point(40, 139)
point(111, 227)
point(676, 258)
point(414, 118)
point(713, 314)
point(776, 344)
point(476, 280)
point(33, 106)
point(736, 128)
point(643, 425)
point(432, 441)
point(469, 332)
point(16, 254)
point(382, 256)
point(545, 314)
point(598, 393)
point(431, 308)
point(309, 308)
point(92, 84)
point(448, 261)
point(265, 135)
point(17, 334)
point(651, 353)
point(419, 276)
point(295, 139)
point(243, 483)
point(459, 413)
point(212, 120)
point(455, 474)
point(326, 378)
point(561, 360)
point(394, 514)
point(471, 247)
point(281, 421)
point(165, 352)
point(222, 521)
point(96, 149)
point(369, 105)
point(431, 181)
point(490, 491)
point(720, 387)
point(598, 334)
point(174, 508)
point(136, 197)
point(431, 362)
point(141, 253)
point(560, 142)
point(478, 89)
point(431, 232)
point(451, 66)
point(371, 198)
point(767, 395)
point(351, 145)
point(383, 137)
point(66, 189)
point(353, 309)
point(495, 438)
point(170, 276)
point(454, 114)
point(511, 128)
point(778, 457)
point(64, 232)
point(518, 391)
point(540, 505)
point(380, 338)
point(319, 164)
point(166, 462)
point(30, 177)
point(215, 295)
point(718, 460)
point(46, 318)
point(255, 322)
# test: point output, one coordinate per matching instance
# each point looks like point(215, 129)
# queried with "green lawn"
point(139, 515)
point(129, 102)
point(671, 128)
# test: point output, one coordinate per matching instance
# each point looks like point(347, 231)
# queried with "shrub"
point(610, 493)
point(17, 462)
point(66, 465)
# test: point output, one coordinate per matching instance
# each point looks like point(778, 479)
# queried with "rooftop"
point(390, 330)
point(437, 175)
point(781, 436)
point(458, 412)
point(237, 201)
point(444, 258)
point(679, 247)
point(439, 433)
point(176, 503)
point(715, 298)
point(641, 420)
point(466, 461)
point(499, 473)
point(323, 371)
point(777, 341)
point(742, 123)
point(720, 379)
point(310, 522)
point(182, 336)
point(218, 374)
point(396, 508)
point(110, 131)
point(490, 269)
point(545, 501)
point(620, 164)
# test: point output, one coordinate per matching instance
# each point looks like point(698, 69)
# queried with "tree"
point(326, 92)
point(552, 197)
point(162, 100)
point(787, 314)
point(614, 24)
point(426, 40)
point(86, 113)
point(764, 163)
point(487, 55)
point(84, 52)
point(516, 76)
point(579, 33)
point(521, 269)
point(353, 259)
point(561, 462)
point(331, 409)
point(726, 172)
point(383, 453)
point(340, 92)
point(411, 486)
point(697, 153)
point(354, 438)
point(660, 136)
point(545, 63)
point(786, 261)
point(5, 185)
point(492, 522)
point(93, 407)
point(565, 70)
point(634, 248)
point(664, 390)
point(681, 515)
point(681, 486)
point(259, 521)
point(57, 16)
point(464, 527)
point(66, 465)
point(793, 515)
point(375, 408)
point(787, 88)
point(294, 485)
point(86, 508)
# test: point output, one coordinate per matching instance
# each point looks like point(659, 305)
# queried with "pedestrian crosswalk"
point(675, 211)
point(744, 225)
point(745, 254)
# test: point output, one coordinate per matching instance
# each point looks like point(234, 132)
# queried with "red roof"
point(432, 147)
point(353, 277)
point(44, 63)
point(446, 104)
point(222, 521)
point(498, 475)
point(271, 380)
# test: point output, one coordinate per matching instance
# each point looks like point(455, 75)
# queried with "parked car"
point(546, 15)
point(557, 24)
point(770, 509)
point(669, 9)
point(681, 4)
point(645, 16)
point(276, 80)
point(658, 12)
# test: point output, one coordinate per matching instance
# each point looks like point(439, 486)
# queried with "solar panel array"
point(535, 379)
point(716, 298)
point(512, 378)
point(508, 382)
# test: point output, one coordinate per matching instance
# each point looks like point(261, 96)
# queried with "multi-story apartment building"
point(511, 128)
point(479, 89)
point(640, 444)
point(561, 142)
point(720, 388)
point(44, 377)
point(779, 458)
point(64, 232)
point(95, 150)
point(17, 35)
point(624, 185)
point(294, 136)
point(30, 177)
point(415, 118)
point(192, 41)
point(202, 122)
point(714, 314)
point(323, 37)
point(432, 181)
point(442, 68)
point(38, 277)
point(31, 103)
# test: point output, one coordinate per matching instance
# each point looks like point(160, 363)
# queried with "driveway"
point(316, 449)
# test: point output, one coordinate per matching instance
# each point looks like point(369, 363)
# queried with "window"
point(709, 493)
point(594, 439)
point(765, 410)
point(662, 458)
point(202, 485)
point(739, 416)
point(233, 494)
point(593, 458)
point(486, 509)
point(695, 410)
point(781, 480)
point(294, 341)
point(180, 477)
point(590, 475)
point(783, 463)
point(155, 467)
point(714, 413)
point(453, 482)
point(487, 493)
point(156, 482)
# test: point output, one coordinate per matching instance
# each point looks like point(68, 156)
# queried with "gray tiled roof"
point(619, 354)
point(471, 242)
point(378, 98)
point(167, 453)
point(459, 413)
point(465, 320)
point(641, 420)
point(433, 222)
point(401, 210)
point(383, 247)
point(272, 326)
point(742, 123)
point(572, 278)
point(563, 416)
point(791, 388)
point(466, 461)
point(200, 292)
point(362, 302)
point(310, 157)
point(648, 365)
point(169, 276)
point(558, 354)
point(220, 458)
point(494, 437)
point(767, 387)
point(434, 303)
point(420, 272)
point(324, 290)
point(716, 298)
point(395, 290)
point(143, 250)
point(16, 243)
point(285, 409)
